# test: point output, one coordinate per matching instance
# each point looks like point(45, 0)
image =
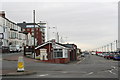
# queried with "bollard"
point(20, 66)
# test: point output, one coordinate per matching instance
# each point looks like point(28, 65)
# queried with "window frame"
point(58, 53)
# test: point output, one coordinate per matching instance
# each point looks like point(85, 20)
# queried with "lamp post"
point(102, 49)
point(105, 48)
point(116, 44)
point(111, 47)
point(108, 47)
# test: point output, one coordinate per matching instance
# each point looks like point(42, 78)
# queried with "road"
point(91, 66)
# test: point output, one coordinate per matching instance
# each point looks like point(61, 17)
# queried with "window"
point(32, 34)
point(58, 53)
point(4, 29)
point(23, 29)
point(28, 29)
point(32, 29)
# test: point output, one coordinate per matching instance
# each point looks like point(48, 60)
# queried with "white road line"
point(80, 61)
point(113, 67)
point(64, 72)
point(112, 72)
point(43, 75)
point(90, 73)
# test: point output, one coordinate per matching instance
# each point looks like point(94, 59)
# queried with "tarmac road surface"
point(91, 66)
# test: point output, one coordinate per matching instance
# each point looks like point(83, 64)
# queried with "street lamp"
point(116, 44)
point(111, 47)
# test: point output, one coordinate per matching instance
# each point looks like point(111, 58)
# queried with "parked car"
point(100, 54)
point(111, 55)
point(103, 54)
point(107, 56)
point(83, 55)
point(116, 57)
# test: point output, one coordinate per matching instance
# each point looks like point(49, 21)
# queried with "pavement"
point(14, 72)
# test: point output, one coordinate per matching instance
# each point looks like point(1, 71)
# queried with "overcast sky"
point(87, 24)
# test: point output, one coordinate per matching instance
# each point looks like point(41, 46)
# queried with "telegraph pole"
point(34, 30)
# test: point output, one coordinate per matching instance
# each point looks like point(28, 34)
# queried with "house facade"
point(73, 51)
point(53, 52)
point(11, 32)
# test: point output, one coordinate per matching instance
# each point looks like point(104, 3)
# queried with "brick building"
point(73, 51)
point(39, 31)
point(53, 52)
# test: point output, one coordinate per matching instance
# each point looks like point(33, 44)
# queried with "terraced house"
point(12, 35)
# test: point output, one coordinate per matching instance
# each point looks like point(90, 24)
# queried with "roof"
point(24, 25)
point(50, 42)
point(70, 45)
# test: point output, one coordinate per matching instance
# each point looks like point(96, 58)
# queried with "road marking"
point(43, 75)
point(112, 72)
point(64, 72)
point(80, 61)
point(89, 73)
point(113, 67)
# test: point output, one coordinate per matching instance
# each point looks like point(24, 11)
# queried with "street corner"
point(15, 73)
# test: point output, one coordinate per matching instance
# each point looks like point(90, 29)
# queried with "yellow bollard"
point(20, 67)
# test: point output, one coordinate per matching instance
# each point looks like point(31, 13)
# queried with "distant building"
point(73, 51)
point(39, 31)
point(11, 32)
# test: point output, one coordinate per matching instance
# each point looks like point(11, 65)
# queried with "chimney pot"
point(2, 14)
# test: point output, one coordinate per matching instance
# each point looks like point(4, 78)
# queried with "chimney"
point(2, 14)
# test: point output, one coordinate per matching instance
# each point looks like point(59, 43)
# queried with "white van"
point(15, 48)
point(93, 53)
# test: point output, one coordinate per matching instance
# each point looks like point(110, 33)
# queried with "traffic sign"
point(20, 64)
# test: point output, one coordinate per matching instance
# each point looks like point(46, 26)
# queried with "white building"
point(11, 32)
point(4, 30)
point(30, 40)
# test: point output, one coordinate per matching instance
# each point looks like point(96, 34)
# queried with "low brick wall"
point(58, 60)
